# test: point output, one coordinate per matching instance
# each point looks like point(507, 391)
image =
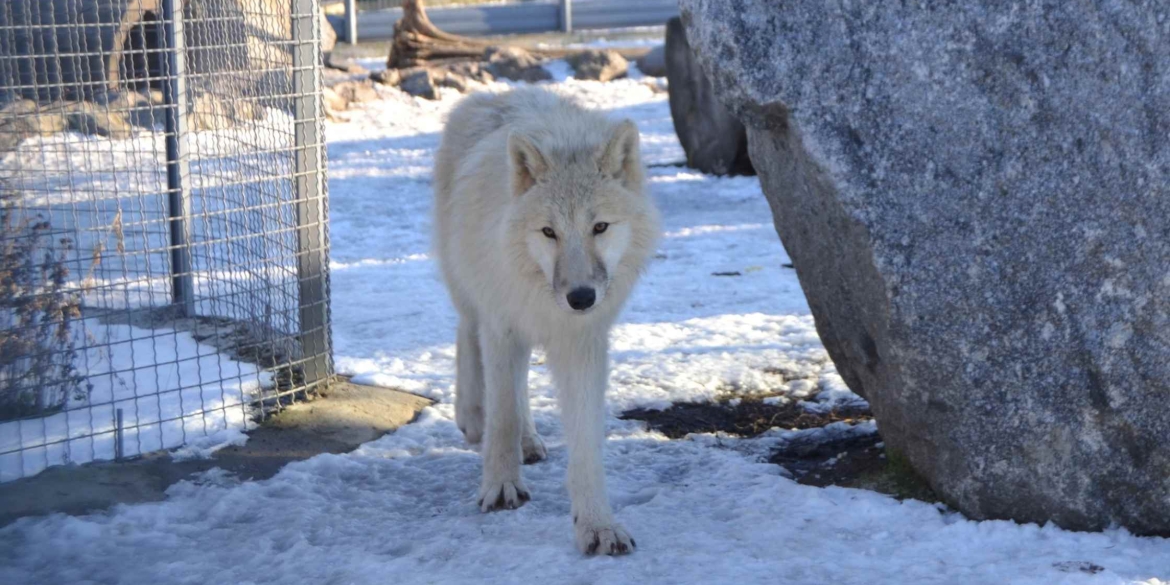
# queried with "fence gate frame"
point(312, 216)
point(205, 225)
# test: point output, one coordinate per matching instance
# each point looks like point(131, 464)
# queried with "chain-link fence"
point(163, 261)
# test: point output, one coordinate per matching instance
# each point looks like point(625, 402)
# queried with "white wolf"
point(542, 228)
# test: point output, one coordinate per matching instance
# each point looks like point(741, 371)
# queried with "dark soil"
point(836, 462)
point(859, 461)
point(749, 418)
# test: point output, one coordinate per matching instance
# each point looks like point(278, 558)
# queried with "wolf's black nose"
point(581, 298)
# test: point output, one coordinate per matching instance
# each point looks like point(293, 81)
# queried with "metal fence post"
point(567, 16)
point(351, 22)
point(310, 193)
point(178, 164)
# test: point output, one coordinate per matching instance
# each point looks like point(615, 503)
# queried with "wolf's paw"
point(470, 421)
point(534, 450)
point(506, 495)
point(603, 539)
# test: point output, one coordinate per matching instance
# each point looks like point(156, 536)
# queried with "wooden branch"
point(418, 42)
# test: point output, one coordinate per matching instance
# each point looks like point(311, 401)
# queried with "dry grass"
point(37, 314)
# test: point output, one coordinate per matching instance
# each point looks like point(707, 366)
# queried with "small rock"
point(419, 81)
point(334, 102)
point(24, 118)
point(138, 110)
point(1078, 567)
point(46, 123)
point(386, 77)
point(89, 118)
point(515, 64)
point(328, 35)
point(208, 112)
point(598, 65)
point(346, 66)
point(453, 80)
point(653, 64)
point(245, 110)
point(472, 71)
point(356, 91)
point(14, 110)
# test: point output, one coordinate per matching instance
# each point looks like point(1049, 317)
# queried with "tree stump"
point(417, 42)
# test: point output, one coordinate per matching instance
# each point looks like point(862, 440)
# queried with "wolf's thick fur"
point(542, 228)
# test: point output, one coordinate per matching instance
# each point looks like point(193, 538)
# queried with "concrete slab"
point(345, 416)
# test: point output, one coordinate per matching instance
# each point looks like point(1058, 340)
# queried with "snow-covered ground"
point(704, 510)
point(171, 390)
point(109, 196)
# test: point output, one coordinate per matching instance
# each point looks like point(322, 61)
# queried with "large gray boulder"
point(976, 197)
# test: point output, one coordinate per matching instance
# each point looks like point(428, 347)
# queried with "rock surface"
point(89, 118)
point(390, 77)
point(595, 65)
point(328, 35)
point(515, 64)
point(653, 64)
point(356, 91)
point(977, 202)
point(420, 82)
point(714, 141)
point(24, 118)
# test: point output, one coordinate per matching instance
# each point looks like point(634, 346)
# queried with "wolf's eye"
point(549, 233)
point(600, 227)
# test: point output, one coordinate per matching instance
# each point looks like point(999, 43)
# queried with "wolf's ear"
point(526, 161)
point(620, 158)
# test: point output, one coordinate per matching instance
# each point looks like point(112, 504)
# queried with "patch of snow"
point(205, 447)
point(371, 64)
point(559, 69)
point(834, 394)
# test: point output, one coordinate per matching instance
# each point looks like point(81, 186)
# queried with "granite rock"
point(976, 197)
point(714, 140)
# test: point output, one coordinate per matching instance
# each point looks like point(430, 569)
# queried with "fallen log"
point(417, 42)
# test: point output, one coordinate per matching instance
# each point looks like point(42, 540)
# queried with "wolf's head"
point(581, 211)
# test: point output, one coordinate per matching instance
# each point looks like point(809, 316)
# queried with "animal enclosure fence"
point(163, 260)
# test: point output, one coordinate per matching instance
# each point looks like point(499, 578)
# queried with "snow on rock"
point(206, 446)
point(402, 508)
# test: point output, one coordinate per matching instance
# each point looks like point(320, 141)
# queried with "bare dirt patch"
point(848, 460)
point(748, 417)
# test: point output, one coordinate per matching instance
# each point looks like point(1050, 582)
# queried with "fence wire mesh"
point(163, 260)
point(367, 5)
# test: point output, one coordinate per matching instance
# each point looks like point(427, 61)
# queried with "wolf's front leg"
point(505, 360)
point(580, 368)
